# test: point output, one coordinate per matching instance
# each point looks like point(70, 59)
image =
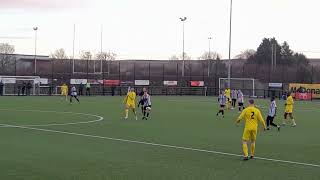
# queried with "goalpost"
point(247, 85)
point(11, 81)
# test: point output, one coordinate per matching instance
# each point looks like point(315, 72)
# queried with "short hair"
point(251, 101)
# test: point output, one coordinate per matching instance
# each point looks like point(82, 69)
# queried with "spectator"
point(23, 89)
point(88, 87)
point(1, 88)
point(113, 90)
point(19, 88)
point(29, 86)
point(81, 89)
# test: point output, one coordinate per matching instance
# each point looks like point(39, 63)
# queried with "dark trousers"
point(234, 103)
point(88, 92)
point(80, 91)
point(270, 122)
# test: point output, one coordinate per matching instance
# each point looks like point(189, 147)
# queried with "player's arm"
point(125, 99)
point(261, 120)
point(241, 117)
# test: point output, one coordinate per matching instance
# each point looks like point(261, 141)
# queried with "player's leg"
point(70, 99)
point(273, 124)
point(292, 119)
point(268, 122)
point(126, 110)
point(144, 112)
point(245, 139)
point(76, 97)
point(253, 134)
point(285, 118)
point(148, 111)
point(135, 113)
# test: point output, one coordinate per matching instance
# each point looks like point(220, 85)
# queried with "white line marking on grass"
point(160, 145)
point(99, 118)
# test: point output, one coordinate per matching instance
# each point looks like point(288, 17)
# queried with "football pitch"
point(46, 138)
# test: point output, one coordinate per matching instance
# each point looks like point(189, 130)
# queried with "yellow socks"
point(245, 149)
point(253, 148)
point(127, 112)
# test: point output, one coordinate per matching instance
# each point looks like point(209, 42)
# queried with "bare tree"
point(7, 58)
point(86, 55)
point(210, 56)
point(175, 57)
point(59, 54)
point(246, 54)
point(110, 56)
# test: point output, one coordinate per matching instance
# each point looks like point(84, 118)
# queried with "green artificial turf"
point(87, 152)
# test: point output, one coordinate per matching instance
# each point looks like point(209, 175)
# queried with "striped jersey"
point(146, 100)
point(222, 99)
point(234, 94)
point(272, 109)
point(240, 97)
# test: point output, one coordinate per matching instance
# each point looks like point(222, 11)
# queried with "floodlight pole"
point(73, 44)
point(35, 49)
point(183, 53)
point(209, 52)
point(230, 35)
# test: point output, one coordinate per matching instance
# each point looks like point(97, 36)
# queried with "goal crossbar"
point(239, 79)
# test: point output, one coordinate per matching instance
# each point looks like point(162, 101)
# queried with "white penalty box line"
point(161, 145)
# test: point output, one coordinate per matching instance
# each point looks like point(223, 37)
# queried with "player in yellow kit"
point(289, 110)
point(227, 91)
point(130, 103)
point(251, 115)
point(64, 91)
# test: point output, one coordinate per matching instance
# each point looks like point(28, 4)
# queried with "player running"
point(252, 116)
point(234, 98)
point(272, 114)
point(146, 105)
point(289, 110)
point(228, 95)
point(240, 101)
point(141, 94)
point(74, 94)
point(130, 103)
point(64, 91)
point(222, 102)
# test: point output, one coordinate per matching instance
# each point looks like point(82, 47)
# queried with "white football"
point(148, 108)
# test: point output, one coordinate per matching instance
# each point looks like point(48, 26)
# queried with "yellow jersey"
point(64, 89)
point(130, 98)
point(228, 93)
point(289, 104)
point(251, 116)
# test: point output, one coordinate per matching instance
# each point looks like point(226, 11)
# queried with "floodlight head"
point(183, 19)
point(35, 28)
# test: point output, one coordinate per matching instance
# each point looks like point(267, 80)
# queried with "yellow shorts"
point(249, 135)
point(131, 105)
point(289, 110)
point(63, 93)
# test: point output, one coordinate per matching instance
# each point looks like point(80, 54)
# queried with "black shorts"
point(240, 104)
point(270, 118)
point(145, 107)
point(286, 115)
point(222, 106)
point(234, 100)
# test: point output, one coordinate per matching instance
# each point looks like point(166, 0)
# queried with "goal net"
point(246, 85)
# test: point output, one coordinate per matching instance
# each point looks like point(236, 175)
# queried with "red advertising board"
point(303, 96)
point(197, 83)
point(111, 82)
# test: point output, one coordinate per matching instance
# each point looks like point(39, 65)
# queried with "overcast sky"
point(149, 29)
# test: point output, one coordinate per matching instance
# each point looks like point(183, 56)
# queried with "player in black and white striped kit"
point(222, 99)
point(146, 105)
point(272, 114)
point(74, 94)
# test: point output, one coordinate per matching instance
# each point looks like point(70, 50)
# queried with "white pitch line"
point(162, 145)
point(100, 118)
